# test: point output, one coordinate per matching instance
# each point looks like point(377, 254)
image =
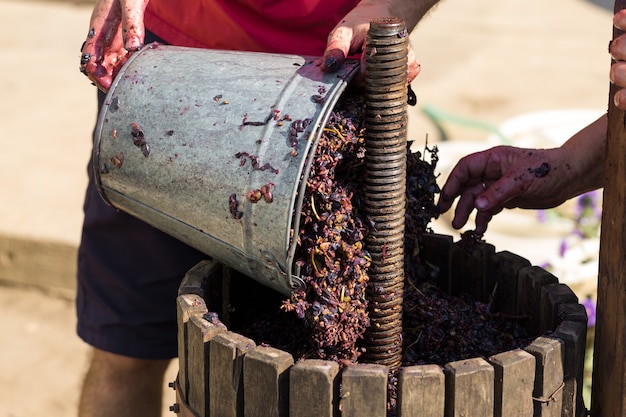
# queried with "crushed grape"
point(327, 320)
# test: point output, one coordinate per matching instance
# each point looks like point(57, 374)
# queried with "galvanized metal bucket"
point(187, 134)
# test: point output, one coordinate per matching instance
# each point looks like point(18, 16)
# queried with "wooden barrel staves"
point(224, 374)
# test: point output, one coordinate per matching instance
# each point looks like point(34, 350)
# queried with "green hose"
point(439, 117)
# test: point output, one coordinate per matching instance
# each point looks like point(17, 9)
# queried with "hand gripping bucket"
point(185, 134)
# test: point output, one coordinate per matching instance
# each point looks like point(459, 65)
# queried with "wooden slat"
point(461, 263)
point(572, 312)
point(224, 298)
point(364, 390)
point(575, 345)
point(548, 389)
point(530, 281)
point(574, 338)
point(226, 353)
point(436, 250)
point(485, 251)
point(469, 388)
point(470, 268)
point(199, 333)
point(194, 280)
point(187, 305)
point(421, 391)
point(514, 379)
point(266, 382)
point(609, 366)
point(552, 296)
point(504, 268)
point(314, 389)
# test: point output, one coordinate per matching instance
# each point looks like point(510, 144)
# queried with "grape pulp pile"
point(328, 319)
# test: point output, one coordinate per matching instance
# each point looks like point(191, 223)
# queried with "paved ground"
point(484, 62)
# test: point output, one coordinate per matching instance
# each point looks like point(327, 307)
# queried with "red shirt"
point(281, 26)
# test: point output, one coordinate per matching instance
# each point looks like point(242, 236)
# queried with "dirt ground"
point(42, 359)
point(483, 62)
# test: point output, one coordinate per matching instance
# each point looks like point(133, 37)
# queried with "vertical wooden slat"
point(572, 312)
point(194, 280)
point(548, 390)
point(421, 391)
point(470, 268)
point(514, 379)
point(226, 353)
point(574, 338)
point(530, 281)
point(266, 382)
point(224, 308)
point(199, 333)
point(469, 388)
point(504, 268)
point(364, 390)
point(187, 305)
point(437, 250)
point(461, 263)
point(577, 313)
point(485, 252)
point(313, 388)
point(552, 296)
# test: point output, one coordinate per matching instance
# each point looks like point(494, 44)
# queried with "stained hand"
point(503, 177)
point(618, 52)
point(348, 38)
point(116, 29)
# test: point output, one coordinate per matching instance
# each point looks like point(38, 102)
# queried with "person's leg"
point(128, 278)
point(120, 386)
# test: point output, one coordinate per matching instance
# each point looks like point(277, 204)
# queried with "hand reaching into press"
point(510, 177)
point(503, 177)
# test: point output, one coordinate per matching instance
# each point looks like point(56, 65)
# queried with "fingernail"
point(133, 44)
point(331, 63)
point(411, 97)
point(482, 203)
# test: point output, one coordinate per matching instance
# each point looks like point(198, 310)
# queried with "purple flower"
point(542, 216)
point(588, 214)
point(563, 248)
point(584, 201)
point(590, 307)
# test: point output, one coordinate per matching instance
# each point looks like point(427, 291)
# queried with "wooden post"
point(421, 391)
point(226, 354)
point(513, 391)
point(314, 388)
point(548, 391)
point(364, 390)
point(469, 388)
point(609, 365)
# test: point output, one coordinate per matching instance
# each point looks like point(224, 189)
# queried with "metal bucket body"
point(185, 134)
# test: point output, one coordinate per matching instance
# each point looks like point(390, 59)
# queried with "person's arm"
point(348, 37)
point(509, 177)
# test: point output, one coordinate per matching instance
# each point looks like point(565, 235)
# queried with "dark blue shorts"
point(128, 278)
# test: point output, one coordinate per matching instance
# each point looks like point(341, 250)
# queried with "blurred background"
point(528, 73)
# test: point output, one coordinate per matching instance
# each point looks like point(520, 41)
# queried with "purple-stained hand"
point(116, 29)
